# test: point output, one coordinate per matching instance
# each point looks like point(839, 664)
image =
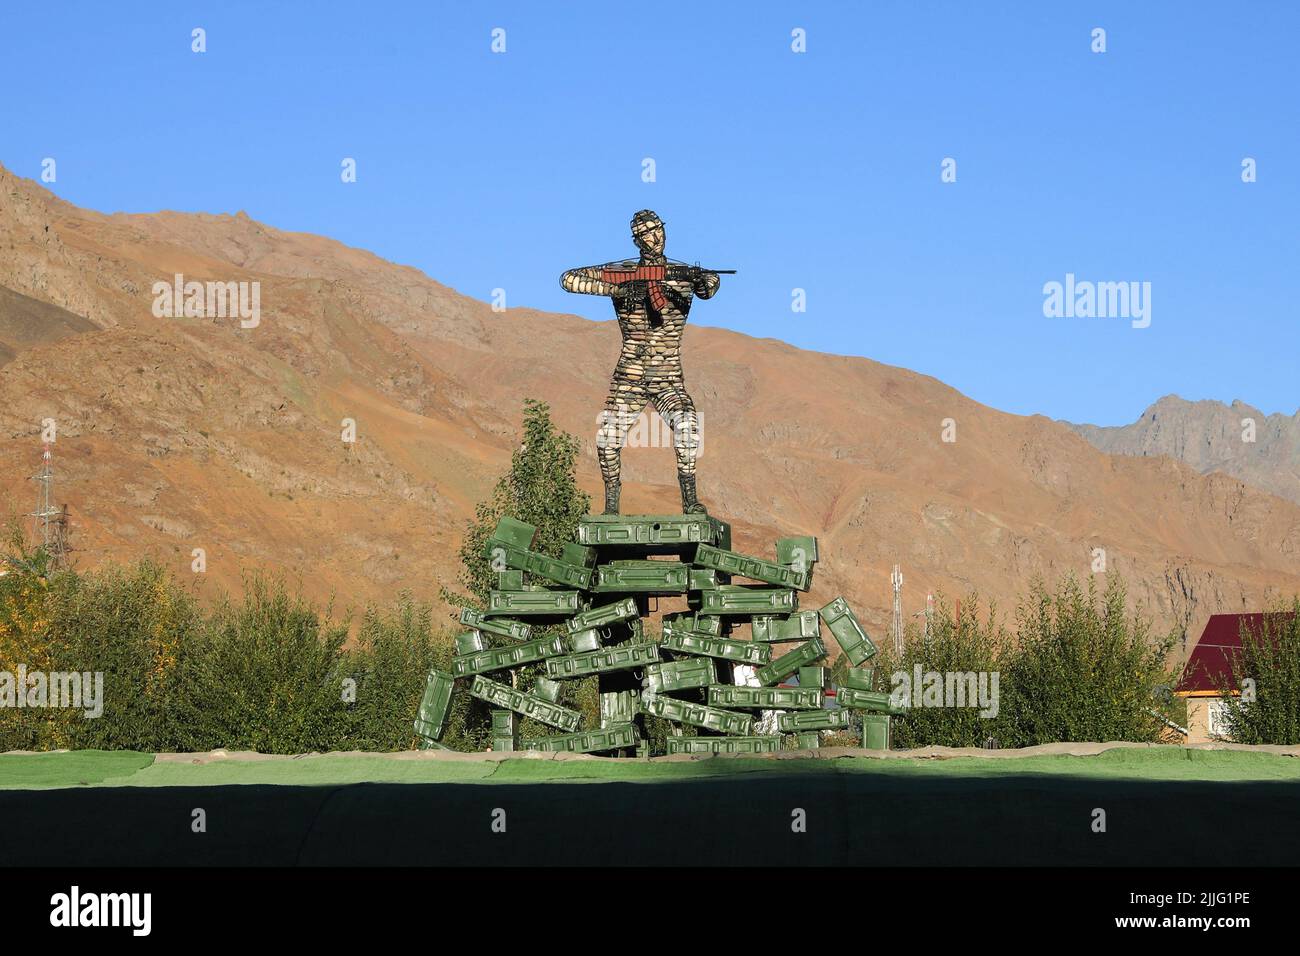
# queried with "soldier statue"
point(652, 298)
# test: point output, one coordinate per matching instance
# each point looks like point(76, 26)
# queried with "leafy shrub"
point(1083, 669)
point(1270, 658)
point(263, 674)
point(393, 651)
point(128, 624)
point(958, 642)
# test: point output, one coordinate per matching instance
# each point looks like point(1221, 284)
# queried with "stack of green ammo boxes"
point(581, 615)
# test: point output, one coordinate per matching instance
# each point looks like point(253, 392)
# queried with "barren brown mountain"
point(184, 433)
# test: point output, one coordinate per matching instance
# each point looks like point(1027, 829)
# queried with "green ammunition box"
point(813, 677)
point(617, 658)
point(469, 642)
point(809, 741)
point(703, 579)
point(620, 632)
point(875, 731)
point(729, 562)
point(745, 599)
point(698, 715)
point(608, 563)
point(612, 682)
point(680, 675)
point(876, 700)
point(689, 621)
point(578, 555)
point(501, 626)
point(641, 577)
point(503, 658)
point(848, 633)
point(789, 662)
point(765, 698)
point(502, 553)
point(603, 616)
point(648, 531)
point(517, 534)
point(799, 553)
point(569, 575)
point(529, 705)
point(860, 678)
point(805, 720)
point(724, 745)
point(547, 689)
point(540, 601)
point(618, 707)
point(743, 652)
point(588, 640)
point(505, 723)
point(590, 741)
point(780, 630)
point(431, 718)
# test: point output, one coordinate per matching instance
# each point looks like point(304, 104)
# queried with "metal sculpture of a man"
point(652, 298)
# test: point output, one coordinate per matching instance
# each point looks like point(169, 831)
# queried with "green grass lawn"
point(93, 768)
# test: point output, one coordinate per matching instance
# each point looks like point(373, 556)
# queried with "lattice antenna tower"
point(896, 579)
point(49, 523)
point(927, 615)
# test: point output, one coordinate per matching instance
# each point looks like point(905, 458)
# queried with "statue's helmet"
point(645, 220)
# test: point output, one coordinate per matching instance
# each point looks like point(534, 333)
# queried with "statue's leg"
point(676, 408)
point(622, 407)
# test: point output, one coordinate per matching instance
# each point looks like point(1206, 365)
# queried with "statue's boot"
point(611, 497)
point(690, 503)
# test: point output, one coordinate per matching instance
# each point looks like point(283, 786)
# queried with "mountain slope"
point(26, 322)
point(1238, 440)
point(185, 433)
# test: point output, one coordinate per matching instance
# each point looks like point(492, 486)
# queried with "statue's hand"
point(700, 278)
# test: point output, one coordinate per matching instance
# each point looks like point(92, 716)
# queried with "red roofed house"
point(1208, 668)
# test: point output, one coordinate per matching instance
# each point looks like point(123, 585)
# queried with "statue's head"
point(648, 232)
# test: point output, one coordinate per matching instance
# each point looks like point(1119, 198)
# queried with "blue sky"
point(818, 170)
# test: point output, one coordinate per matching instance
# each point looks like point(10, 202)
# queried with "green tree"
point(959, 642)
point(264, 673)
point(1270, 659)
point(1084, 669)
point(395, 647)
point(540, 489)
point(132, 623)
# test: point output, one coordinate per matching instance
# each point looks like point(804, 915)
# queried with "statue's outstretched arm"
point(586, 281)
